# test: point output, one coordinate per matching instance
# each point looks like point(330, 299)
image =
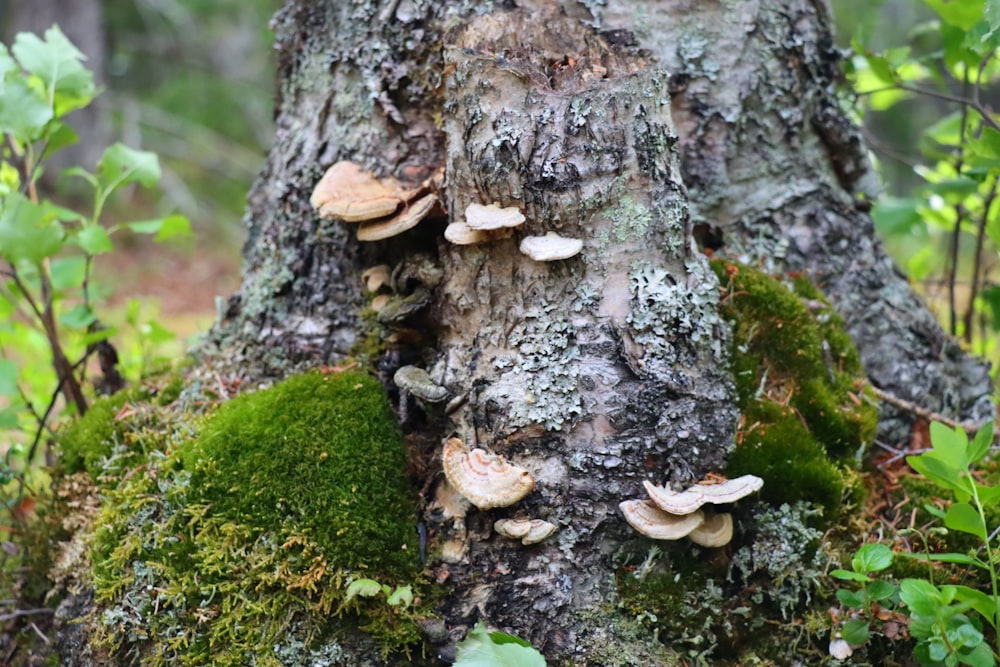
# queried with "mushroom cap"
point(377, 277)
point(689, 500)
point(485, 479)
point(540, 529)
point(486, 218)
point(653, 522)
point(349, 192)
point(460, 233)
point(529, 531)
point(716, 531)
point(550, 247)
point(377, 230)
point(512, 528)
point(418, 382)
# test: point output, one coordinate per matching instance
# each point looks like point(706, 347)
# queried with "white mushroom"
point(689, 500)
point(377, 277)
point(653, 522)
point(485, 479)
point(529, 531)
point(460, 233)
point(350, 193)
point(550, 247)
point(487, 218)
point(417, 382)
point(715, 531)
point(377, 230)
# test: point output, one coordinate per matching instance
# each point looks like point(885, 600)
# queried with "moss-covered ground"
point(229, 534)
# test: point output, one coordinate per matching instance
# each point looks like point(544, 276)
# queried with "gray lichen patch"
point(673, 318)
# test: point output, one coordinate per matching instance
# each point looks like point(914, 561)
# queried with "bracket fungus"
point(486, 480)
point(550, 248)
point(653, 522)
point(529, 531)
point(417, 382)
point(671, 515)
point(385, 206)
point(715, 531)
point(683, 502)
point(492, 217)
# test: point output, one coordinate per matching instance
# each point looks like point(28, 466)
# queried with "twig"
point(913, 408)
point(25, 612)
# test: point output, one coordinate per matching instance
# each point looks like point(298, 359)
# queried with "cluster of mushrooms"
point(487, 481)
point(671, 515)
point(384, 207)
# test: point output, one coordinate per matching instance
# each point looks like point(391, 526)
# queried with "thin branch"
point(919, 411)
point(974, 104)
point(25, 612)
point(977, 259)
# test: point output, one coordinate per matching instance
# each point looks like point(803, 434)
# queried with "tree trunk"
point(599, 371)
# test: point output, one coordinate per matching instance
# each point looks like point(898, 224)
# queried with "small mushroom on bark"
point(550, 248)
point(653, 522)
point(529, 531)
point(486, 480)
point(460, 233)
point(377, 230)
point(491, 217)
point(683, 502)
point(417, 382)
point(350, 193)
point(715, 531)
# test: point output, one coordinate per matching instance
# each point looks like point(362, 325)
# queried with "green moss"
point(90, 439)
point(238, 548)
point(322, 452)
point(800, 387)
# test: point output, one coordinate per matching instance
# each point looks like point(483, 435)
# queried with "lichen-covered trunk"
point(595, 372)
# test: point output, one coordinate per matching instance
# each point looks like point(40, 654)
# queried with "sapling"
point(946, 620)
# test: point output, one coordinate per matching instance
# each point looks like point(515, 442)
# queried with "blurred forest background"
point(192, 80)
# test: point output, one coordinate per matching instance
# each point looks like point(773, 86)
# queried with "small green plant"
point(49, 327)
point(496, 649)
point(951, 61)
point(946, 620)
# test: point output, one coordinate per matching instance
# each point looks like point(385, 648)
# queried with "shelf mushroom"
point(384, 206)
point(671, 515)
point(483, 223)
point(550, 248)
point(486, 480)
point(529, 531)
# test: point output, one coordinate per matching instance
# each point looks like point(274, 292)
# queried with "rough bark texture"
point(606, 369)
point(777, 170)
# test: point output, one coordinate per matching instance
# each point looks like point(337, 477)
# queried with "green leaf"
point(479, 649)
point(847, 575)
point(29, 232)
point(976, 599)
point(9, 418)
point(8, 378)
point(61, 135)
point(82, 173)
point(7, 63)
point(366, 588)
point(59, 65)
point(961, 559)
point(880, 590)
point(951, 444)
point(960, 13)
point(155, 333)
point(855, 631)
point(402, 596)
point(944, 475)
point(164, 228)
point(872, 557)
point(80, 317)
point(852, 599)
point(978, 656)
point(67, 272)
point(980, 445)
point(896, 217)
point(964, 517)
point(991, 13)
point(922, 597)
point(121, 165)
point(953, 190)
point(22, 111)
point(94, 240)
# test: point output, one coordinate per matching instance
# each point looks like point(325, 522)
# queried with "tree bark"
point(601, 371)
